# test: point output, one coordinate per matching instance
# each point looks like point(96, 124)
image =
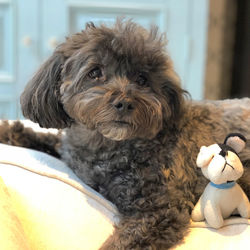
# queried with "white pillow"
point(56, 209)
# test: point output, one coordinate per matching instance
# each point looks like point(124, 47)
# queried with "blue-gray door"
point(31, 29)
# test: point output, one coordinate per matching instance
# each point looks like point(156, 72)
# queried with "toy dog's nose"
point(223, 153)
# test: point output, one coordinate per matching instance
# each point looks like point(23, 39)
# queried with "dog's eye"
point(95, 73)
point(142, 80)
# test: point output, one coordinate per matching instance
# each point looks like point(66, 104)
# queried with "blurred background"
point(209, 40)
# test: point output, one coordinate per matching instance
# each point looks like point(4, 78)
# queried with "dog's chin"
point(117, 130)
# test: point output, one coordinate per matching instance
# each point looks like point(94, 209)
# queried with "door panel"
point(144, 14)
point(54, 26)
point(28, 43)
point(7, 60)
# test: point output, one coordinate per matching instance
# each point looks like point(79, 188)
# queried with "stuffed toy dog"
point(222, 197)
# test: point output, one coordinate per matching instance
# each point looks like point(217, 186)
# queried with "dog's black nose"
point(124, 105)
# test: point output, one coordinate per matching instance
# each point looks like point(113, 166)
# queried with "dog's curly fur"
point(130, 133)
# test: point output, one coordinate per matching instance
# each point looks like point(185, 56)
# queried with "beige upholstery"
point(50, 207)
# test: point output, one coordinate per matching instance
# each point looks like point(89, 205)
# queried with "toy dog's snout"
point(223, 153)
point(206, 155)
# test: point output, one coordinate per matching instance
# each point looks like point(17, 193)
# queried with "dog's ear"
point(40, 101)
point(174, 95)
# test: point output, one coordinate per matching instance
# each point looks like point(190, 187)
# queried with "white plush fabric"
point(232, 237)
point(56, 210)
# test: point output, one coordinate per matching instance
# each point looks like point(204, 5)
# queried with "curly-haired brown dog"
point(129, 132)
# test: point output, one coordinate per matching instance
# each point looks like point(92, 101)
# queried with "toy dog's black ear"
point(236, 141)
point(40, 101)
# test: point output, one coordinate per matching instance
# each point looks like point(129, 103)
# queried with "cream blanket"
point(48, 207)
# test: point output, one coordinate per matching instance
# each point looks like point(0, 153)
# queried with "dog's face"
point(116, 80)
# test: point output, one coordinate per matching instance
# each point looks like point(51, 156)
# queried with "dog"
point(130, 131)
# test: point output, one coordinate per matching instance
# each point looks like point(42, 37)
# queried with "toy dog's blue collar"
point(226, 185)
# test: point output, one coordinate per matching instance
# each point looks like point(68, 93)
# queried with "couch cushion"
point(56, 209)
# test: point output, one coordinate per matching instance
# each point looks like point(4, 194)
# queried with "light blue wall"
point(30, 30)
